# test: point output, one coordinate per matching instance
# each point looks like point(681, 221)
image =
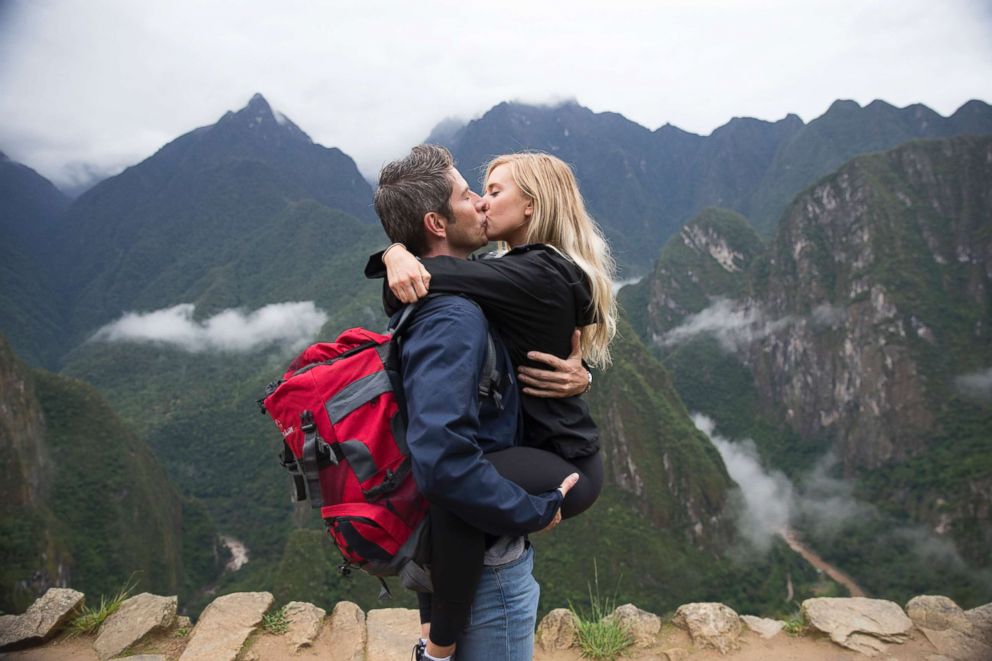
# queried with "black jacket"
point(534, 297)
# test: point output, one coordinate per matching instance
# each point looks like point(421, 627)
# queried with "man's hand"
point(408, 279)
point(566, 378)
point(566, 486)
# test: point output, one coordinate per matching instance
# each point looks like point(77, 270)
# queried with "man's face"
point(466, 229)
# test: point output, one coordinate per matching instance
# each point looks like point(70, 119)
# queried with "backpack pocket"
point(365, 533)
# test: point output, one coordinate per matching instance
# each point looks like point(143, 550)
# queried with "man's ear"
point(435, 225)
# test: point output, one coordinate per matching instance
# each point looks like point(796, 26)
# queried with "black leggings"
point(457, 548)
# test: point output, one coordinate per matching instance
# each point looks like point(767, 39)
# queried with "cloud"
point(768, 495)
point(827, 315)
point(130, 77)
point(826, 508)
point(733, 324)
point(773, 502)
point(976, 385)
point(290, 325)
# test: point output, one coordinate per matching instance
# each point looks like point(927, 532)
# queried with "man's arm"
point(442, 357)
point(567, 377)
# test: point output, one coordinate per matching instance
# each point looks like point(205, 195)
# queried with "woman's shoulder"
point(549, 257)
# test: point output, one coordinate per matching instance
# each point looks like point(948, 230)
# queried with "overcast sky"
point(94, 85)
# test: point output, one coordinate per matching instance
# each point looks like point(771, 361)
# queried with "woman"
point(556, 276)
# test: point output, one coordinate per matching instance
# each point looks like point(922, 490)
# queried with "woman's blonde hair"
point(560, 220)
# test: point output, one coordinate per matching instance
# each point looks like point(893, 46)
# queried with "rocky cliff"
point(84, 501)
point(853, 333)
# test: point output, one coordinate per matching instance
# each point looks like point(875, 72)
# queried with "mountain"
point(85, 503)
point(850, 336)
point(30, 208)
point(845, 131)
point(666, 485)
point(643, 185)
point(172, 228)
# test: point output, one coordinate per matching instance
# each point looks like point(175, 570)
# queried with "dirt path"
point(792, 539)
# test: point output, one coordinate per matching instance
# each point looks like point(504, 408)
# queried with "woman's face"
point(507, 209)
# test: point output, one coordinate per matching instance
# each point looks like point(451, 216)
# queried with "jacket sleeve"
point(513, 291)
point(442, 356)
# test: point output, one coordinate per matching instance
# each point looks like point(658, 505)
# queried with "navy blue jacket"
point(442, 355)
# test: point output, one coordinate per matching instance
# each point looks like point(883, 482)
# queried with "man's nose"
point(481, 204)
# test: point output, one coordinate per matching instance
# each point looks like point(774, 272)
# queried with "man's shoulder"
point(449, 310)
point(449, 304)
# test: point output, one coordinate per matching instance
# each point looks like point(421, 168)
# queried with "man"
point(425, 204)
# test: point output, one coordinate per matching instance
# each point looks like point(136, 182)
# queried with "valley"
point(821, 291)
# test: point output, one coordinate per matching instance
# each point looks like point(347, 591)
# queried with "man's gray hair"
point(409, 189)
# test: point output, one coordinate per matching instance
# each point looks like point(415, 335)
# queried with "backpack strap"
point(315, 452)
point(289, 462)
point(491, 381)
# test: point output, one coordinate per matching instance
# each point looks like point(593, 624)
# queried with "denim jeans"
point(503, 615)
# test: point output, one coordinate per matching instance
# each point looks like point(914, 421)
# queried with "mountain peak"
point(257, 100)
point(843, 104)
point(257, 107)
point(259, 116)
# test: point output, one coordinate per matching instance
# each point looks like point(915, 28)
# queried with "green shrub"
point(89, 619)
point(795, 625)
point(598, 636)
point(275, 622)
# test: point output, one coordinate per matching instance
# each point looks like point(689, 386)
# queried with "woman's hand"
point(566, 378)
point(407, 277)
point(566, 486)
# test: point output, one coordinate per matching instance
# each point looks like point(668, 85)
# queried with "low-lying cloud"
point(733, 324)
point(291, 325)
point(821, 505)
point(768, 495)
point(977, 385)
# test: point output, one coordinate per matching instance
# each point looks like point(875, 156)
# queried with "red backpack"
point(340, 410)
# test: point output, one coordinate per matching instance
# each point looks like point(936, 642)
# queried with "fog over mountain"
point(366, 80)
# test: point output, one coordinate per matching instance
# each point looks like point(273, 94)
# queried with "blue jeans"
point(504, 611)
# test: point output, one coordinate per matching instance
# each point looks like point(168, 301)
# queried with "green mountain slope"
point(166, 230)
point(843, 132)
point(850, 334)
point(85, 502)
point(30, 316)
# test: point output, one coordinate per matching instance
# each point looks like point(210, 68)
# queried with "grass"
point(795, 625)
point(275, 622)
point(89, 619)
point(600, 637)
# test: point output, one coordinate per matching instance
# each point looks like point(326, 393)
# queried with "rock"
point(42, 619)
point(392, 633)
point(938, 657)
point(183, 622)
point(137, 617)
point(675, 654)
point(557, 630)
point(981, 620)
point(957, 645)
point(642, 625)
point(763, 626)
point(347, 623)
point(142, 657)
point(225, 625)
point(938, 613)
point(858, 623)
point(710, 624)
point(304, 623)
